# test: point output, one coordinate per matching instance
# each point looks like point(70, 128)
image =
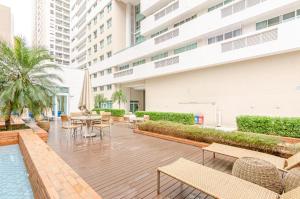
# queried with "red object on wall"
point(201, 119)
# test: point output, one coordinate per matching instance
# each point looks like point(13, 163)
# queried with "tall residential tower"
point(6, 24)
point(52, 28)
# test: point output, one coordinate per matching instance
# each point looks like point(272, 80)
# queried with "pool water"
point(14, 182)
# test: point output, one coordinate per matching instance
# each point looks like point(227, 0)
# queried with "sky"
point(22, 11)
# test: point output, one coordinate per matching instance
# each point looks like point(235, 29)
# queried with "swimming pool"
point(14, 182)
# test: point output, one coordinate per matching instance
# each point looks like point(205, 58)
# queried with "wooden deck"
point(124, 165)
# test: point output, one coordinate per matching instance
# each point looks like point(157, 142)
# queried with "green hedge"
point(114, 112)
point(288, 127)
point(265, 143)
point(184, 118)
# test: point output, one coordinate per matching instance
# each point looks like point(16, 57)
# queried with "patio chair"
point(218, 184)
point(105, 123)
point(77, 122)
point(235, 152)
point(66, 124)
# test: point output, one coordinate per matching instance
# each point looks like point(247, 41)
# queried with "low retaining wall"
point(171, 138)
point(12, 137)
point(50, 176)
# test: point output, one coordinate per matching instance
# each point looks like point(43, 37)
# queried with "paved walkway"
point(124, 165)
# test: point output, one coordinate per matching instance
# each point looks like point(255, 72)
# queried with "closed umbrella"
point(86, 102)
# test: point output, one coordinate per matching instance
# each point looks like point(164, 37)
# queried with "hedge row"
point(114, 112)
point(288, 127)
point(265, 143)
point(184, 118)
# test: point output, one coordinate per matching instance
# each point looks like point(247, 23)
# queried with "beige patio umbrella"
point(86, 101)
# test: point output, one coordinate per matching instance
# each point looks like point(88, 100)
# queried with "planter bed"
point(264, 143)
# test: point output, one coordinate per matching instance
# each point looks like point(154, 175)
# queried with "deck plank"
point(124, 165)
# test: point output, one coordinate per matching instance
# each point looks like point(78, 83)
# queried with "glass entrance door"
point(134, 106)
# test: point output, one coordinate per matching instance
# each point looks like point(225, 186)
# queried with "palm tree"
point(119, 97)
point(99, 99)
point(25, 78)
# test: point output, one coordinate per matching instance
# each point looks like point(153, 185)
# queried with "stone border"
point(171, 138)
point(50, 176)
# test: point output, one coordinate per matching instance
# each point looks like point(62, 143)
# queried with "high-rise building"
point(52, 28)
point(100, 28)
point(6, 24)
point(220, 58)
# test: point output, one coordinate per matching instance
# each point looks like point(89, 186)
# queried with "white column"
point(55, 107)
point(128, 25)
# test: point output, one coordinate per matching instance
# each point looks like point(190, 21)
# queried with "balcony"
point(185, 35)
point(149, 7)
point(270, 41)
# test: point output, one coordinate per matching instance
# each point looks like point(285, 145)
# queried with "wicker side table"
point(259, 172)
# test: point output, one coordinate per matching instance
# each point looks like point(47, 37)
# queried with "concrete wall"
point(6, 30)
point(265, 86)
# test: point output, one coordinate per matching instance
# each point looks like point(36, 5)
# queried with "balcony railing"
point(167, 36)
point(166, 11)
point(239, 6)
point(123, 73)
point(167, 62)
point(252, 40)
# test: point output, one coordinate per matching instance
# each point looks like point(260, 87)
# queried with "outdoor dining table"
point(88, 121)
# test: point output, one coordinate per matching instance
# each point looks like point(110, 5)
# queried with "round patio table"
point(88, 120)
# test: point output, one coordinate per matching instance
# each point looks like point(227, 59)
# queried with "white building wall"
point(265, 86)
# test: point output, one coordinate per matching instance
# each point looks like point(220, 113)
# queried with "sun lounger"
point(235, 152)
point(218, 184)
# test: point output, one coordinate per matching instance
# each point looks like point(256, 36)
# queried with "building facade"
point(51, 28)
point(219, 58)
point(98, 30)
point(6, 24)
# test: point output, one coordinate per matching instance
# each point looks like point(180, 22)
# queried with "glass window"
point(228, 35)
point(261, 25)
point(108, 39)
point(288, 16)
point(95, 34)
point(274, 21)
point(109, 71)
point(211, 40)
point(237, 32)
point(109, 7)
point(108, 87)
point(219, 38)
point(95, 48)
point(139, 62)
point(95, 89)
point(159, 56)
point(109, 54)
point(102, 44)
point(101, 57)
point(109, 22)
point(101, 29)
point(101, 14)
point(298, 12)
point(101, 88)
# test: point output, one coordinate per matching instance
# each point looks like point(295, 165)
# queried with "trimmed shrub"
point(265, 143)
point(183, 118)
point(288, 127)
point(114, 112)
